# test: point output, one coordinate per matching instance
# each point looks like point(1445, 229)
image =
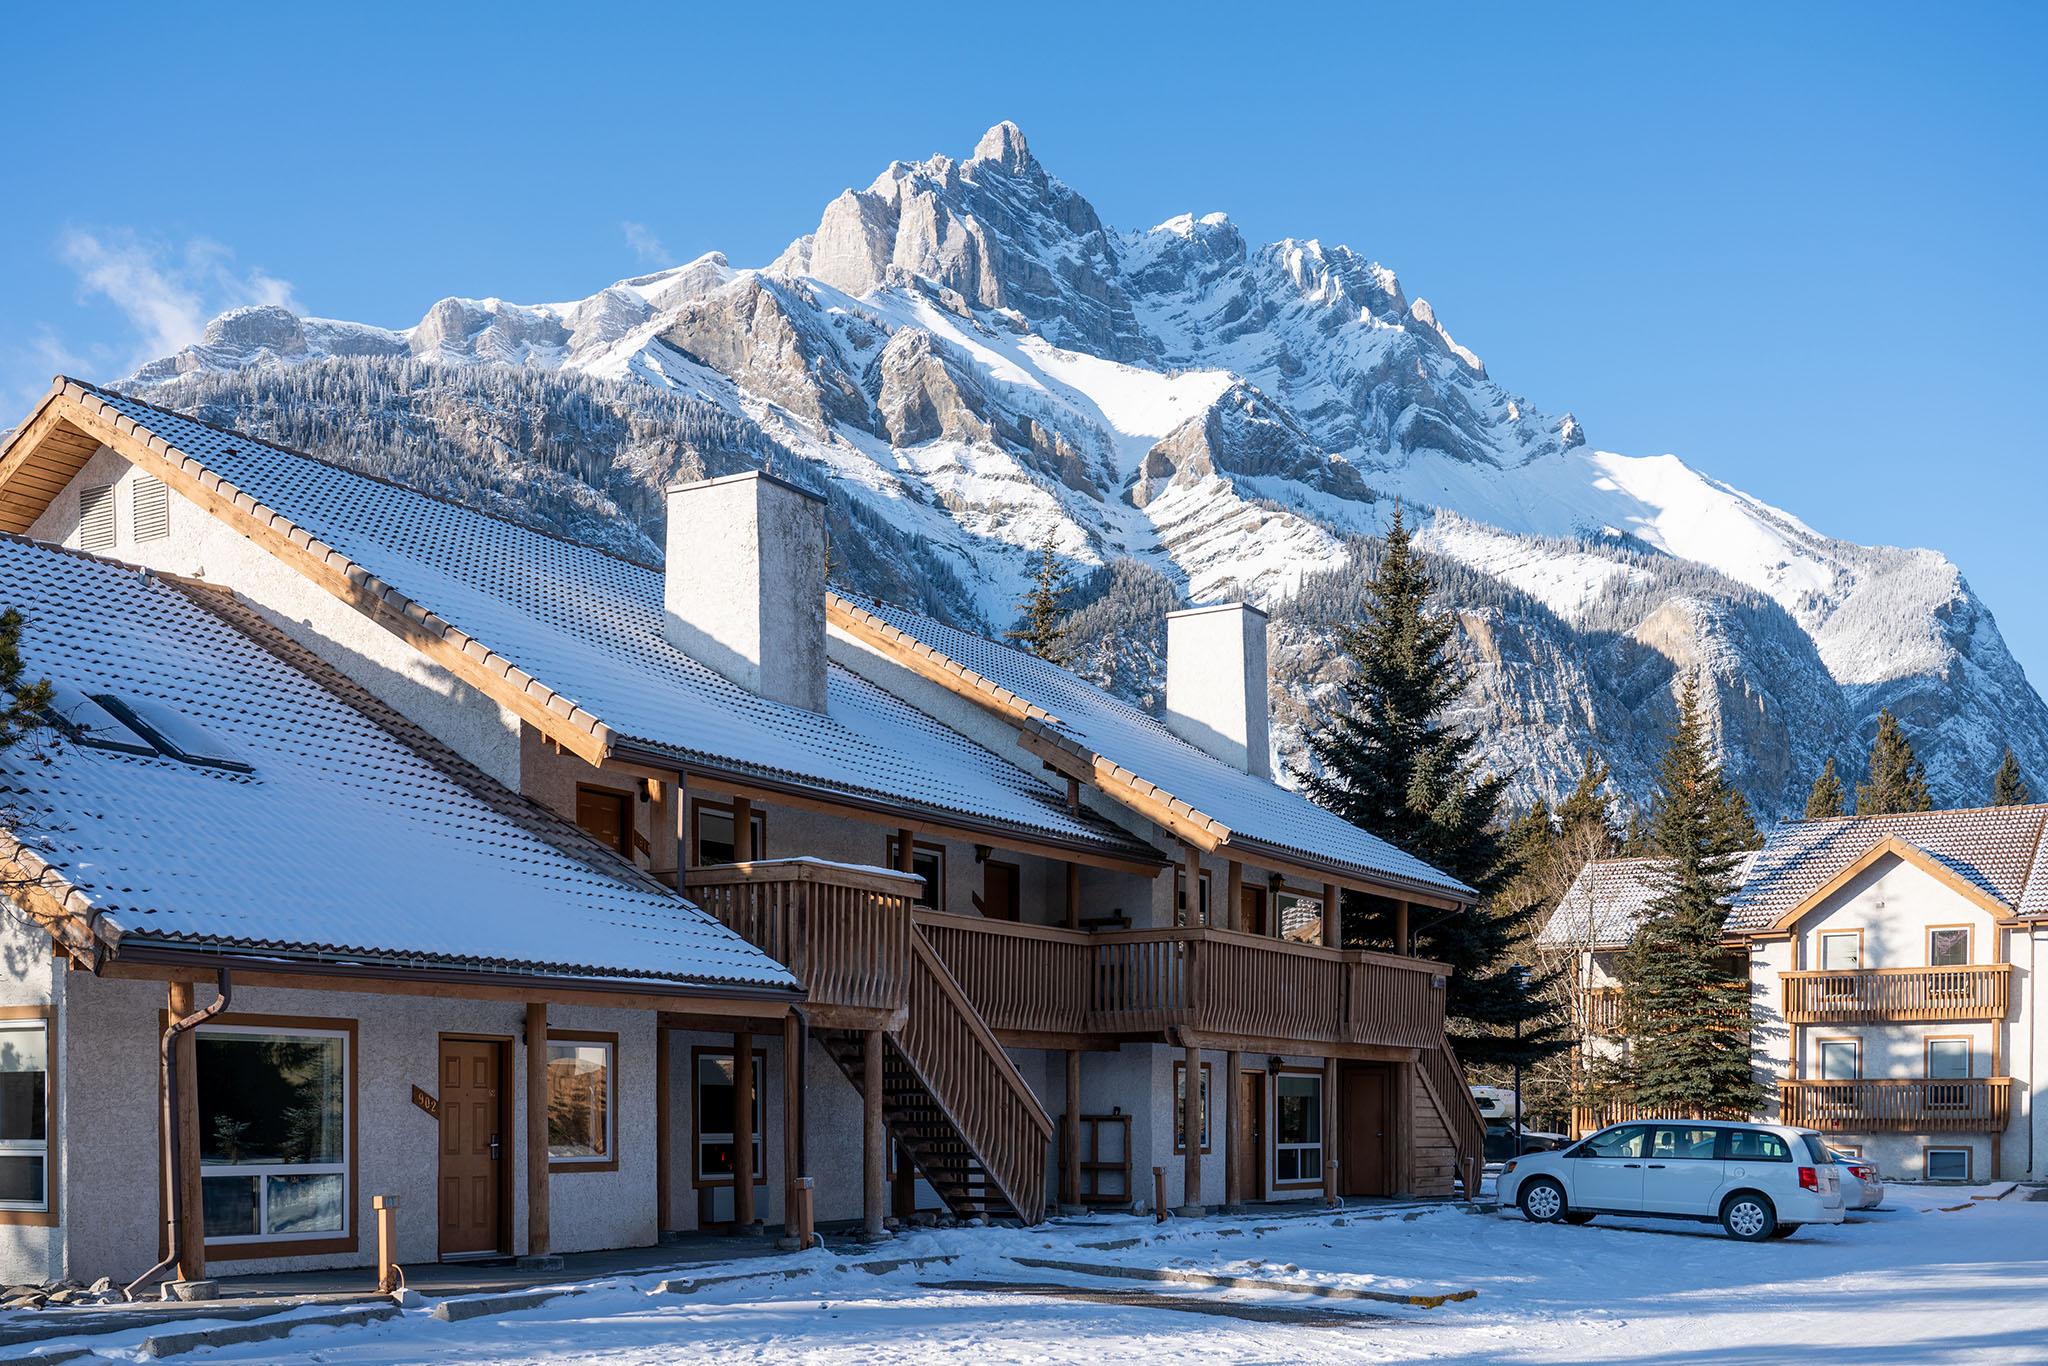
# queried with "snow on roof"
point(1997, 849)
point(344, 839)
point(1609, 898)
point(1253, 808)
point(588, 626)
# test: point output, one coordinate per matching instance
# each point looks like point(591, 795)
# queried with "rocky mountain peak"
point(1004, 145)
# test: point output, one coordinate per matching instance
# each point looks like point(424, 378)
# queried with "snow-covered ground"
point(1936, 1276)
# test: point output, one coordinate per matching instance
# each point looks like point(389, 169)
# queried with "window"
point(580, 1110)
point(1180, 1094)
point(1683, 1142)
point(96, 518)
point(1841, 951)
point(1180, 898)
point(1301, 917)
point(715, 1115)
point(273, 1132)
point(714, 833)
point(1623, 1142)
point(1840, 1059)
point(25, 1099)
point(1757, 1145)
point(1948, 946)
point(1948, 1164)
point(1948, 1057)
point(1849, 1150)
point(1297, 1128)
point(606, 815)
point(172, 733)
point(152, 509)
point(927, 861)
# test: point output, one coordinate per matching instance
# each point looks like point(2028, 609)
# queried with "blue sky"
point(1800, 246)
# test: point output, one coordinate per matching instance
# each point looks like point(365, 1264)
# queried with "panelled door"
point(1252, 1124)
point(1365, 1094)
point(999, 890)
point(472, 1214)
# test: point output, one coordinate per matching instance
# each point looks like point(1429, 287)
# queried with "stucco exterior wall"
point(200, 546)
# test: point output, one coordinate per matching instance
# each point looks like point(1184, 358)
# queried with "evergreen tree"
point(1387, 761)
point(1040, 609)
point(2008, 787)
point(1687, 1004)
point(1584, 826)
point(1824, 802)
point(19, 702)
point(1897, 782)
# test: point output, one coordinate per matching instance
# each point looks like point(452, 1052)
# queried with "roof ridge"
point(1985, 809)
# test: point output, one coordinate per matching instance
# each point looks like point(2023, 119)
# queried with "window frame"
point(1820, 946)
point(609, 1162)
point(1927, 1043)
point(758, 819)
point(935, 886)
point(1278, 911)
point(1180, 1139)
point(1275, 1146)
point(699, 1137)
point(1969, 1163)
point(1181, 910)
point(46, 1214)
point(1820, 1051)
point(243, 1247)
point(1969, 946)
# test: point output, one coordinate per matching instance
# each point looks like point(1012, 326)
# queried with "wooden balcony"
point(1907, 1105)
point(1605, 1018)
point(1902, 995)
point(1037, 980)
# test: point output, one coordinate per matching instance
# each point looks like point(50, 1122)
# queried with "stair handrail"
point(1444, 1078)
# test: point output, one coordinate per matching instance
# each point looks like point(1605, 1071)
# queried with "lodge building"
point(568, 901)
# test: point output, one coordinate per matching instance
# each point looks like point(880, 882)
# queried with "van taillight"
point(1809, 1179)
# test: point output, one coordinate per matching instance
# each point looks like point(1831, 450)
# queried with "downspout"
point(174, 1188)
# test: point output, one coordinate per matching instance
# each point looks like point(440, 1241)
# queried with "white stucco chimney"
point(1216, 683)
point(745, 590)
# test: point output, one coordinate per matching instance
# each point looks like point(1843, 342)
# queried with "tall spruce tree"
point(1824, 802)
point(1387, 760)
point(1687, 1003)
point(2008, 785)
point(1897, 782)
point(20, 703)
point(1040, 609)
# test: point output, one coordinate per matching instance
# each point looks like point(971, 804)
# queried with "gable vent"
point(152, 509)
point(96, 518)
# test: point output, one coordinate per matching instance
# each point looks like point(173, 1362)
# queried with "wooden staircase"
point(920, 1124)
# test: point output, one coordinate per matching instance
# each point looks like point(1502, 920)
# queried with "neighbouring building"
point(1891, 961)
point(1020, 915)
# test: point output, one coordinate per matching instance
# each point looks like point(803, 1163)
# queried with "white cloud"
point(166, 292)
point(645, 244)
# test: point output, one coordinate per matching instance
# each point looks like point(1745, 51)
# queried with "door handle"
point(494, 1147)
point(1656, 1166)
point(1631, 1164)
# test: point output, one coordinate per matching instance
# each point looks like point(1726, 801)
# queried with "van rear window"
point(1817, 1150)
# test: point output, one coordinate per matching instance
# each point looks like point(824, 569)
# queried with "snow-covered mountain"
point(968, 361)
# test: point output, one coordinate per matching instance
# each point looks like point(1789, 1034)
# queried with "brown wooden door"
point(1365, 1094)
point(607, 817)
point(472, 1213)
point(1252, 1124)
point(1252, 915)
point(999, 890)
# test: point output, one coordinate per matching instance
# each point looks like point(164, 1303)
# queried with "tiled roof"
point(582, 631)
point(1608, 899)
point(344, 840)
point(1997, 849)
point(1104, 725)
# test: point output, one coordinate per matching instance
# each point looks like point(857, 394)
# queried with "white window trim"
point(33, 1147)
point(269, 1169)
point(611, 1103)
point(1927, 1163)
point(1301, 1182)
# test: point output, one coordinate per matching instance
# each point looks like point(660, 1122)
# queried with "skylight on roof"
point(84, 721)
point(174, 734)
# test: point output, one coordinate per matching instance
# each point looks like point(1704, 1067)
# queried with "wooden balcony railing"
point(1979, 992)
point(1911, 1104)
point(1605, 1016)
point(844, 932)
point(1589, 1117)
point(1037, 979)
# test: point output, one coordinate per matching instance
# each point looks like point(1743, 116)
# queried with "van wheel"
point(1543, 1202)
point(1785, 1230)
point(1577, 1217)
point(1749, 1216)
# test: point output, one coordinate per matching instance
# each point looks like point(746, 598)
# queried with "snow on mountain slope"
point(970, 363)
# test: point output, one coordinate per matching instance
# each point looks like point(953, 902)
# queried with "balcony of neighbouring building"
point(1980, 991)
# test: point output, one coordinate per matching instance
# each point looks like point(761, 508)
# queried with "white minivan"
point(1757, 1181)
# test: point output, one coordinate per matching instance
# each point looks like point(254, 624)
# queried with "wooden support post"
point(1233, 905)
point(1333, 1131)
point(1191, 1125)
point(903, 1190)
point(1070, 1130)
point(1401, 928)
point(873, 1135)
point(906, 850)
point(664, 1133)
point(1225, 1109)
point(1073, 896)
point(387, 1242)
point(1333, 915)
point(744, 830)
point(743, 1131)
point(536, 1129)
point(792, 1099)
point(1159, 1194)
point(1073, 794)
point(805, 1229)
point(191, 1248)
point(1189, 911)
